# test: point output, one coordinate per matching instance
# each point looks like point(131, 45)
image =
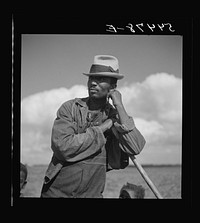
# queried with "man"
point(23, 178)
point(90, 136)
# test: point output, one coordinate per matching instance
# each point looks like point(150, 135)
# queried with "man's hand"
point(116, 97)
point(106, 125)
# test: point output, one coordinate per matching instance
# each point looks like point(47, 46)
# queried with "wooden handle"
point(146, 178)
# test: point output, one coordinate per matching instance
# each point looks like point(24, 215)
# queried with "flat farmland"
point(167, 180)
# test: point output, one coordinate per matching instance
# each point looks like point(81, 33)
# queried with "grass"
point(167, 180)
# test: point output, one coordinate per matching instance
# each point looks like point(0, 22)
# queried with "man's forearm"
point(123, 116)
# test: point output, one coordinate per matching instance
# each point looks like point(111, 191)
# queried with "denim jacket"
point(73, 141)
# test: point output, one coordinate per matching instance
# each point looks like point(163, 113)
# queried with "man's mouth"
point(93, 90)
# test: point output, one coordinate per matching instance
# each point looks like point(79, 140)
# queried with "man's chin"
point(96, 96)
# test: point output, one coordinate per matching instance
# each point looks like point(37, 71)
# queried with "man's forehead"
point(99, 76)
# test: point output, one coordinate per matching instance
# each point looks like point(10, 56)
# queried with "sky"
point(51, 73)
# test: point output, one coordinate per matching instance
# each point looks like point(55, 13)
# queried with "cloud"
point(159, 97)
point(38, 112)
point(40, 108)
point(155, 104)
point(151, 130)
point(35, 143)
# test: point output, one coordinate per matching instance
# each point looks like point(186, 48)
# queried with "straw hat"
point(105, 65)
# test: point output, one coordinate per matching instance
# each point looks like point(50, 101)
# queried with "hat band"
point(97, 68)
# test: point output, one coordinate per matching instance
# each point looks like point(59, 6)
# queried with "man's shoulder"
point(69, 103)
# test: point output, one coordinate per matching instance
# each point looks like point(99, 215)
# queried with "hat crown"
point(107, 60)
point(105, 65)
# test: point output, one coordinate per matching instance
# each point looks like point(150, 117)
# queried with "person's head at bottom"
point(132, 191)
point(23, 177)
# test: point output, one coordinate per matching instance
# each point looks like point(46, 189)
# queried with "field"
point(167, 180)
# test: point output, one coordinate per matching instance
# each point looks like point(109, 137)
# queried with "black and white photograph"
point(101, 114)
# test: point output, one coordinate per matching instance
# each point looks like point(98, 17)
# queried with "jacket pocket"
point(116, 158)
point(69, 179)
point(54, 167)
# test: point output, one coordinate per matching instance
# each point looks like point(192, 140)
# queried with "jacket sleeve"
point(130, 139)
point(67, 144)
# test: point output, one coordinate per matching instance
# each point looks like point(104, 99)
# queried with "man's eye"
point(99, 79)
point(102, 79)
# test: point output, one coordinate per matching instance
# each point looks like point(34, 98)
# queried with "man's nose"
point(94, 82)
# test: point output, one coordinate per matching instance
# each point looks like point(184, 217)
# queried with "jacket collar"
point(82, 101)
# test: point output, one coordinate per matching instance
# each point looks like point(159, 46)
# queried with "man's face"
point(99, 86)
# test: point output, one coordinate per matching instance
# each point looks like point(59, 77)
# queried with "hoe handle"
point(146, 178)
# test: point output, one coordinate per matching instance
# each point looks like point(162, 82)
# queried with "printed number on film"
point(141, 27)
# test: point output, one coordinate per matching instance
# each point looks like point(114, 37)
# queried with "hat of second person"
point(105, 65)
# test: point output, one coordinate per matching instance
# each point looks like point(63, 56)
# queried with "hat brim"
point(106, 74)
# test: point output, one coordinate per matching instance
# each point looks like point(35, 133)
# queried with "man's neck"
point(96, 104)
